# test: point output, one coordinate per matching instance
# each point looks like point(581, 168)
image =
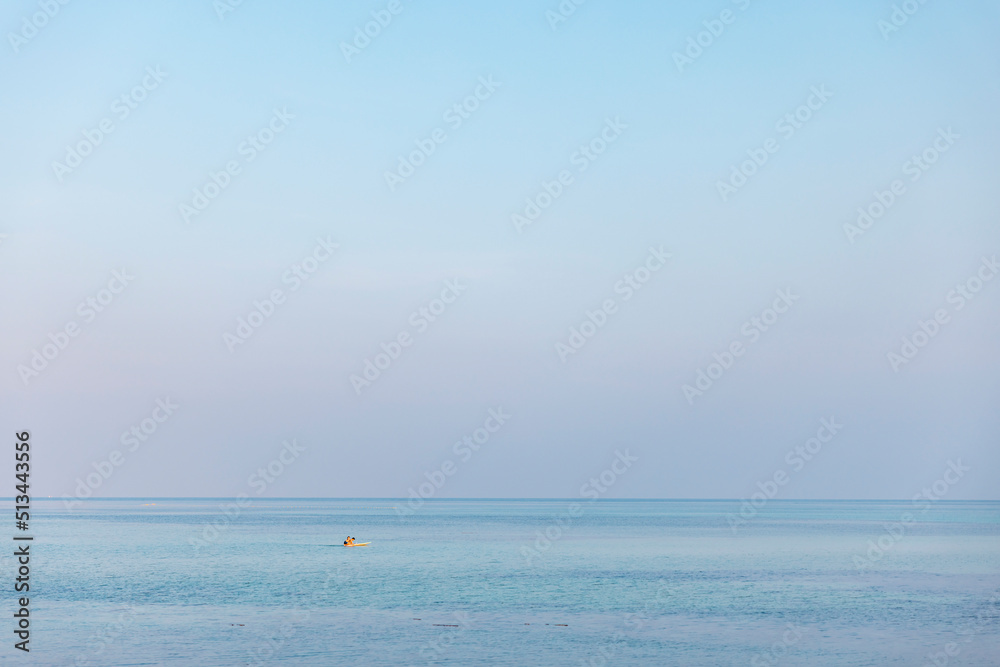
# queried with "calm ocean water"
point(145, 582)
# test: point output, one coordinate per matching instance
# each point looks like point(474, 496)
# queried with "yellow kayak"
point(358, 544)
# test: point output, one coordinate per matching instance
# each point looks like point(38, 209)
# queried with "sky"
point(680, 171)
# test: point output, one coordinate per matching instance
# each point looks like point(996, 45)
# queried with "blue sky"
point(323, 176)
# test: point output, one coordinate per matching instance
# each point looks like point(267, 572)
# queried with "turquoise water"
point(471, 582)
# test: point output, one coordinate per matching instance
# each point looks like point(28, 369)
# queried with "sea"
point(152, 581)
